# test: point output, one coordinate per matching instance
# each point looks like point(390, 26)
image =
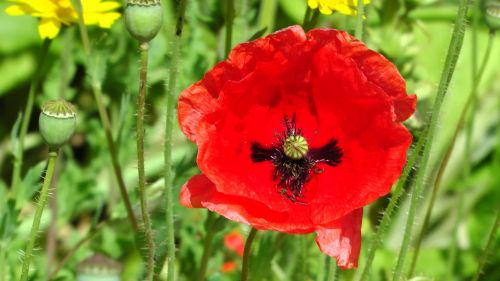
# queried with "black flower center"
point(294, 161)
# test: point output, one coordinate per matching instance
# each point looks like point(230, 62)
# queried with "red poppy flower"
point(296, 133)
point(234, 242)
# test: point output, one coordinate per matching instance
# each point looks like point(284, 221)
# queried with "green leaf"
point(14, 133)
point(30, 184)
point(15, 70)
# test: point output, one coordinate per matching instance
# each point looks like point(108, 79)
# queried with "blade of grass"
point(489, 246)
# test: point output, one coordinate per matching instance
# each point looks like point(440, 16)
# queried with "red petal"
point(235, 242)
point(377, 69)
point(342, 239)
point(200, 192)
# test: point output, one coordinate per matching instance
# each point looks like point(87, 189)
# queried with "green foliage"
point(413, 34)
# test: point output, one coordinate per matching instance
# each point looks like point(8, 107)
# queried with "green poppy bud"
point(98, 268)
point(491, 12)
point(144, 19)
point(57, 122)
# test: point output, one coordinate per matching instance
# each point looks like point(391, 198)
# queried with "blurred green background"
point(413, 34)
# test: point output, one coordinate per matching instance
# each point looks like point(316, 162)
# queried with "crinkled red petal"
point(337, 89)
point(342, 239)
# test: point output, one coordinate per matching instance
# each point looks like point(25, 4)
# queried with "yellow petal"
point(15, 10)
point(107, 20)
point(49, 28)
point(313, 4)
point(325, 10)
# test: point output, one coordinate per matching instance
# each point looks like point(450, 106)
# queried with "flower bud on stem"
point(57, 123)
point(144, 19)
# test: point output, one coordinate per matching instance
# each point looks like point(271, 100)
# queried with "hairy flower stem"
point(333, 270)
point(28, 253)
point(207, 247)
point(449, 67)
point(229, 26)
point(489, 246)
point(386, 217)
point(169, 125)
point(106, 124)
point(444, 163)
point(245, 267)
point(34, 86)
point(141, 102)
point(360, 22)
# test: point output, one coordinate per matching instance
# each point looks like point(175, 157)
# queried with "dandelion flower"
point(346, 7)
point(53, 14)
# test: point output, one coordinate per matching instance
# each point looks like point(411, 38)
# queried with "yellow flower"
point(346, 7)
point(55, 13)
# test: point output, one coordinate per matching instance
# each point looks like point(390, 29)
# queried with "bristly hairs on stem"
point(169, 125)
point(28, 253)
point(449, 67)
point(141, 100)
point(442, 167)
point(411, 164)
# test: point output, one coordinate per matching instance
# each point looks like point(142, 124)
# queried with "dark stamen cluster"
point(293, 174)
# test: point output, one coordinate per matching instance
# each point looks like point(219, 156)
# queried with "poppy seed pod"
point(57, 122)
point(144, 19)
point(491, 12)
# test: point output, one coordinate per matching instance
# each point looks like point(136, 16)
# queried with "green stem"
point(34, 86)
point(207, 248)
point(170, 111)
point(141, 102)
point(245, 268)
point(442, 167)
point(229, 26)
point(303, 257)
point(307, 16)
point(3, 264)
point(489, 247)
point(360, 20)
point(28, 253)
point(267, 14)
point(449, 67)
point(333, 271)
point(396, 195)
point(106, 124)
